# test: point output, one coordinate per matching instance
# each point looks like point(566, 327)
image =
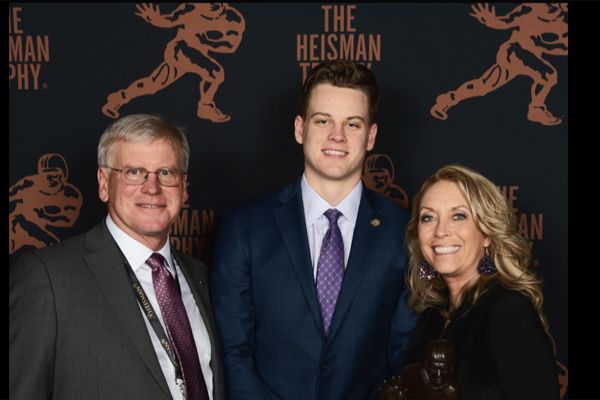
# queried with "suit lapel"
point(197, 280)
point(364, 245)
point(106, 265)
point(292, 229)
point(198, 283)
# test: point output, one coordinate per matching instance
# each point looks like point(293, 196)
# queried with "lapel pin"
point(375, 222)
point(200, 282)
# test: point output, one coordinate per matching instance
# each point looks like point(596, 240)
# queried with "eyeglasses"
point(138, 176)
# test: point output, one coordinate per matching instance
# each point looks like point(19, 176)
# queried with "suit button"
point(324, 366)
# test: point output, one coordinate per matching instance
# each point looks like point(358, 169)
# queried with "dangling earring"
point(426, 271)
point(487, 266)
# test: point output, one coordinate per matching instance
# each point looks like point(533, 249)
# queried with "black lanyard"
point(152, 317)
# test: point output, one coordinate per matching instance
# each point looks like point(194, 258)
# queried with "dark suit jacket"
point(267, 313)
point(76, 330)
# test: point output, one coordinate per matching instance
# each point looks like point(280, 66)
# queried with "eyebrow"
point(138, 167)
point(329, 115)
point(452, 209)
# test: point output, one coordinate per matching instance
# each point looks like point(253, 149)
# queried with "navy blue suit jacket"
point(266, 309)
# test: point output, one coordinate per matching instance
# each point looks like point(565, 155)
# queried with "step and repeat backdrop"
point(483, 85)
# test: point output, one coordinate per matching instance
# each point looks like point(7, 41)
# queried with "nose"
point(151, 186)
point(442, 229)
point(337, 135)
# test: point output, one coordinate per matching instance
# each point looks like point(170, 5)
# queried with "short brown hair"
point(344, 74)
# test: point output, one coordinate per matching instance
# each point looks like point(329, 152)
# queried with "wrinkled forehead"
point(124, 151)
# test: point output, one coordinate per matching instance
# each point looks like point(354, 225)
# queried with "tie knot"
point(332, 215)
point(155, 261)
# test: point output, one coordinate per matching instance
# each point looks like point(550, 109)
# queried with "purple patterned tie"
point(178, 328)
point(330, 271)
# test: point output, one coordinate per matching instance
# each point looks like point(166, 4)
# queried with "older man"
point(116, 312)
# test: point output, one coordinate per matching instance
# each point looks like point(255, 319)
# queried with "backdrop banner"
point(482, 85)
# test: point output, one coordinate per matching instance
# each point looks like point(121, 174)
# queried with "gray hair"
point(143, 128)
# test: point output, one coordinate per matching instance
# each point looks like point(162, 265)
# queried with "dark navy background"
point(426, 50)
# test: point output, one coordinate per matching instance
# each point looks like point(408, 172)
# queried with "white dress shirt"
point(137, 254)
point(317, 223)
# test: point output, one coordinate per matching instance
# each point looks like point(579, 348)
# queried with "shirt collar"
point(315, 206)
point(135, 252)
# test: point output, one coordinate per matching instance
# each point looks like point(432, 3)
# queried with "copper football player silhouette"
point(537, 29)
point(40, 201)
point(202, 28)
point(378, 175)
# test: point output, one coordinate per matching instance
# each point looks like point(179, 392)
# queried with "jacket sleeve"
point(232, 300)
point(403, 325)
point(525, 363)
point(32, 329)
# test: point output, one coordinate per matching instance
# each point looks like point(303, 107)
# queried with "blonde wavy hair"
point(509, 250)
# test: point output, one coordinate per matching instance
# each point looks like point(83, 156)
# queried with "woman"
point(468, 272)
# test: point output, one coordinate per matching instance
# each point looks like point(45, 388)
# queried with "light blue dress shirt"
point(317, 224)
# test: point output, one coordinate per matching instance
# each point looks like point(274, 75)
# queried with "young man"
point(116, 312)
point(308, 285)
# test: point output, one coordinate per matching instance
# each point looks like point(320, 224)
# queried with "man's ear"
point(185, 192)
point(103, 184)
point(299, 129)
point(371, 137)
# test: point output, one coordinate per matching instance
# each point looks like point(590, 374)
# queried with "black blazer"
point(502, 350)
